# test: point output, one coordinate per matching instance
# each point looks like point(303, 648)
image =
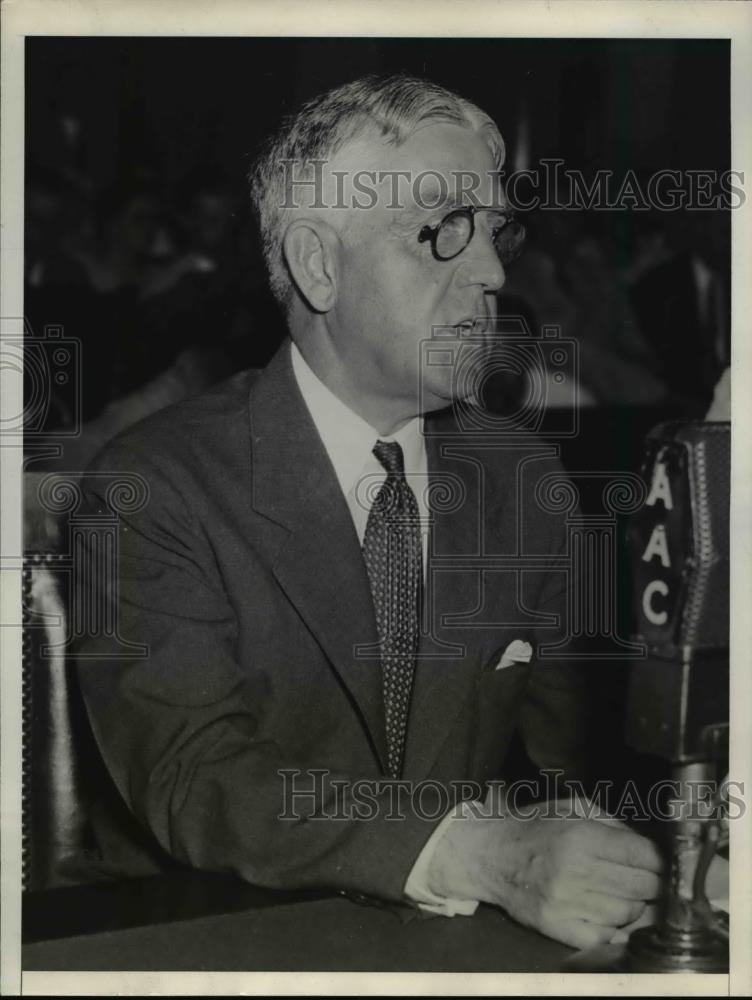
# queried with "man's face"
point(392, 293)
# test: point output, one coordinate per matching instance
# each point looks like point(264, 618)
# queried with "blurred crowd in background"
point(157, 288)
point(162, 282)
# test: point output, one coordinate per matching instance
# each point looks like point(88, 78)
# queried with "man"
point(334, 594)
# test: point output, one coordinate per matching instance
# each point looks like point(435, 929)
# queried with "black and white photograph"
point(374, 534)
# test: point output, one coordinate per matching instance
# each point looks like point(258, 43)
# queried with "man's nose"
point(479, 264)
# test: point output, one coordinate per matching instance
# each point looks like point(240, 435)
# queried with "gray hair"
point(391, 107)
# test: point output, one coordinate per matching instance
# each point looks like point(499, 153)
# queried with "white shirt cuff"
point(416, 886)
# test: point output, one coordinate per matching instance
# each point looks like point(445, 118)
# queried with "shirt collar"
point(346, 436)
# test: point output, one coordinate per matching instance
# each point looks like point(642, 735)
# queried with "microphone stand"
point(689, 935)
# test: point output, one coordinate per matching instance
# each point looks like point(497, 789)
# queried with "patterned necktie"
point(392, 553)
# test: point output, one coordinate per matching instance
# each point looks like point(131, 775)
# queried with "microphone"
point(678, 706)
point(678, 701)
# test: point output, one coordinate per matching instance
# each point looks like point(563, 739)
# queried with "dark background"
point(178, 103)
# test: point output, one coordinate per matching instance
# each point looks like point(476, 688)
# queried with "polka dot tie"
point(392, 553)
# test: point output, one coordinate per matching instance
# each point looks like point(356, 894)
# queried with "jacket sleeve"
point(178, 729)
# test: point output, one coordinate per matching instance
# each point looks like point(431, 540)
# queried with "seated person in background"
point(336, 585)
point(145, 341)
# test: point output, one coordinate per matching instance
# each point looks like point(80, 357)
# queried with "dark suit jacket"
point(243, 576)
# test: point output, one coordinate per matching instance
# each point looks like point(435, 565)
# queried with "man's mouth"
point(468, 327)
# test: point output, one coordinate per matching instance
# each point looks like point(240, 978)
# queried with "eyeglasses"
point(450, 236)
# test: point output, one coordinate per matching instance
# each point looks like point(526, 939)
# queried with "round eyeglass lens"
point(454, 234)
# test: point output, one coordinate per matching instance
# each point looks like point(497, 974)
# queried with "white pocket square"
point(516, 652)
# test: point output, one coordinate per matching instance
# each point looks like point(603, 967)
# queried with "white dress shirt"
point(349, 440)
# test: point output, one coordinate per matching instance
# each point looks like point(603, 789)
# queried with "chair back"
point(56, 734)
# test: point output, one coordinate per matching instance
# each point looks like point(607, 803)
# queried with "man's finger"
point(607, 911)
point(611, 821)
point(624, 882)
point(577, 933)
point(626, 847)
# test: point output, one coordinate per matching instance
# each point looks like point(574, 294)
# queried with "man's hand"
point(574, 879)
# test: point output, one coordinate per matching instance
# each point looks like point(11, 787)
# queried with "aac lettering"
point(657, 547)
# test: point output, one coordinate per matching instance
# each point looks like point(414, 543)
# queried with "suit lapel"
point(451, 654)
point(319, 563)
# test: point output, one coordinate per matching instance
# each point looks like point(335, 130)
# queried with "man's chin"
point(442, 397)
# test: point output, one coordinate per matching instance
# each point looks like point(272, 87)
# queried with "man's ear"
point(311, 248)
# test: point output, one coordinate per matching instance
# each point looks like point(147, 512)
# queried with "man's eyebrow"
point(456, 195)
point(421, 213)
point(430, 202)
point(404, 221)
